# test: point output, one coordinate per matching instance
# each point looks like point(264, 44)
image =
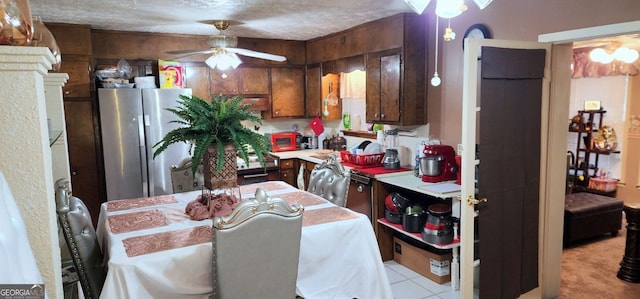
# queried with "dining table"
point(153, 249)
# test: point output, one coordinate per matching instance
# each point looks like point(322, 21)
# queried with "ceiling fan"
point(223, 50)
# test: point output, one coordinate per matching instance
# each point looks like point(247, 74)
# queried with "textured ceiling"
point(277, 19)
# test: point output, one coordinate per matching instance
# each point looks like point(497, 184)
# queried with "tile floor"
point(407, 284)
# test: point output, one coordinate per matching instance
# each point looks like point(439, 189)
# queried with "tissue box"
point(606, 185)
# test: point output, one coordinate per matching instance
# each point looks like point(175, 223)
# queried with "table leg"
point(630, 264)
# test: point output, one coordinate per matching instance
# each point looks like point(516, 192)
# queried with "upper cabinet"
point(74, 42)
point(394, 51)
point(313, 91)
point(287, 92)
point(383, 88)
point(240, 81)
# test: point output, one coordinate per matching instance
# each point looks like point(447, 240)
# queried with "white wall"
point(610, 91)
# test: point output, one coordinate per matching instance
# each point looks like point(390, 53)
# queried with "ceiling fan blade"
point(256, 54)
point(190, 52)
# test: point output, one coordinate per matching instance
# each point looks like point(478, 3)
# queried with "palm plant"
point(218, 122)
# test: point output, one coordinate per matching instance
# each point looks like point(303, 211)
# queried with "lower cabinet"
point(288, 171)
point(251, 178)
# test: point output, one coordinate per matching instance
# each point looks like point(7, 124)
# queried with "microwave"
point(284, 141)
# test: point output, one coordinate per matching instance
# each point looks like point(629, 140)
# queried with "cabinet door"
point(287, 92)
point(313, 96)
point(83, 157)
point(254, 80)
point(333, 110)
point(79, 83)
point(373, 89)
point(390, 88)
point(226, 82)
point(383, 88)
point(308, 168)
point(197, 78)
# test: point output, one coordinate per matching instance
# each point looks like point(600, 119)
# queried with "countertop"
point(317, 156)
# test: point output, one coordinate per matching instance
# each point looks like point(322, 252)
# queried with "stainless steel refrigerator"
point(132, 120)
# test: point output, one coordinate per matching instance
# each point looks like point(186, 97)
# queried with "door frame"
point(559, 110)
point(469, 120)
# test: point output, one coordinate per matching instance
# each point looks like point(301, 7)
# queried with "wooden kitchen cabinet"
point(197, 78)
point(308, 168)
point(287, 92)
point(83, 154)
point(383, 88)
point(313, 94)
point(79, 83)
point(288, 171)
point(241, 81)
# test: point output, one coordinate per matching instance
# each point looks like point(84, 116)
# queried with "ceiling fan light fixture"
point(223, 60)
point(222, 41)
point(418, 5)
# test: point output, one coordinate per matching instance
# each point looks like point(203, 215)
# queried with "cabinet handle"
point(74, 173)
point(360, 188)
point(275, 112)
point(66, 92)
point(375, 115)
point(382, 115)
point(284, 175)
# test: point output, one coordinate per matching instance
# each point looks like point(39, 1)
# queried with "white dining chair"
point(330, 180)
point(256, 249)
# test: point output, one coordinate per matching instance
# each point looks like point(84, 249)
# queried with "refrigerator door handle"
point(150, 165)
point(143, 155)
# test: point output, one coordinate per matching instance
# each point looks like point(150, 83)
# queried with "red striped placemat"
point(326, 215)
point(129, 222)
point(126, 204)
point(303, 198)
point(146, 244)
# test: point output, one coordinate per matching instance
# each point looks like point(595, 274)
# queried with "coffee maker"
point(438, 163)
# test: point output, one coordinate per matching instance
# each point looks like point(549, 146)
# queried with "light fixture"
point(435, 80)
point(623, 54)
point(223, 60)
point(482, 3)
point(418, 5)
point(445, 8)
point(450, 8)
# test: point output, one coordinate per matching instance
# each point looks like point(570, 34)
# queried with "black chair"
point(81, 239)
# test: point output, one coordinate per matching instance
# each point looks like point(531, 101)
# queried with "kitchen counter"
point(317, 156)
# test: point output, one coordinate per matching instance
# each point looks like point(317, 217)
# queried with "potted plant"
point(217, 136)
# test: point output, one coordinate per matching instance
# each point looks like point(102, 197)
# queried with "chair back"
point(330, 180)
point(81, 239)
point(256, 249)
point(182, 179)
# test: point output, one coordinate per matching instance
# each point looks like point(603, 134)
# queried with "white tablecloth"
point(338, 259)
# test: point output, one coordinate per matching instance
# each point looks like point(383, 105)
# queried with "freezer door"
point(157, 125)
point(122, 128)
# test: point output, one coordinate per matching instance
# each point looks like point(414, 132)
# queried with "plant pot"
point(228, 175)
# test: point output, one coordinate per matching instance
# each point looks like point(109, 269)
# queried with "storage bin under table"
point(588, 215)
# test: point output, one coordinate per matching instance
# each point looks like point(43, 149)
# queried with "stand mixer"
point(438, 164)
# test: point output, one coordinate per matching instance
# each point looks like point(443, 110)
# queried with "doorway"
point(559, 95)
